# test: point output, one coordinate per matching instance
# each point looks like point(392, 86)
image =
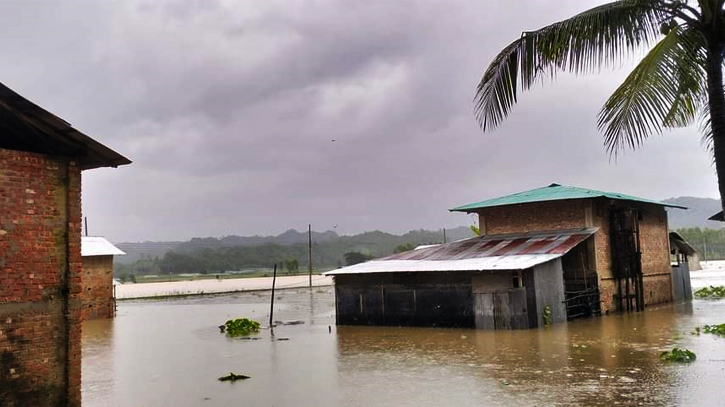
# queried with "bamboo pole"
point(271, 307)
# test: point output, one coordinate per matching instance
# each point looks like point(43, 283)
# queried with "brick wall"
point(654, 245)
point(40, 280)
point(555, 215)
point(572, 214)
point(98, 287)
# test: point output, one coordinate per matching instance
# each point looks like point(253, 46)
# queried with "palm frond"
point(586, 42)
point(706, 130)
point(664, 90)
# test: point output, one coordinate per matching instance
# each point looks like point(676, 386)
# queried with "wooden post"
point(85, 220)
point(444, 235)
point(309, 252)
point(271, 308)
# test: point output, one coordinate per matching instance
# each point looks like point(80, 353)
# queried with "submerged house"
point(544, 256)
point(99, 299)
point(41, 298)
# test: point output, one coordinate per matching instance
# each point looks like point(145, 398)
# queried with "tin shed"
point(511, 281)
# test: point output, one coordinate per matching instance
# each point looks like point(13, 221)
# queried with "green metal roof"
point(554, 192)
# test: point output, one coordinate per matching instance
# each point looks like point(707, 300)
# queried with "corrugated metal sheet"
point(493, 252)
point(28, 127)
point(554, 192)
point(682, 244)
point(98, 246)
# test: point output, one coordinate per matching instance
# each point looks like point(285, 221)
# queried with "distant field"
point(162, 278)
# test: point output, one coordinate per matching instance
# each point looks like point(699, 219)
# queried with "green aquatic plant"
point(678, 355)
point(546, 315)
point(696, 331)
point(233, 377)
point(718, 330)
point(711, 292)
point(239, 327)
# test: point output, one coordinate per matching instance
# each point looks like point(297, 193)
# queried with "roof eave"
point(472, 209)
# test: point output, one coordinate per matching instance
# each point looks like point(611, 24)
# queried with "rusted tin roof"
point(492, 252)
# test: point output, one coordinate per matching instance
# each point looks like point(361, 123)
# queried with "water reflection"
point(170, 353)
point(97, 368)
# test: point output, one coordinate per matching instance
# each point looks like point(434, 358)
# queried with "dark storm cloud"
point(229, 110)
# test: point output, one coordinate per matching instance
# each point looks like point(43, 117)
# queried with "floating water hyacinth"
point(711, 292)
point(678, 355)
point(714, 329)
point(239, 327)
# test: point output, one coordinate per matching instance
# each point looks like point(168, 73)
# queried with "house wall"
point(492, 281)
point(580, 213)
point(40, 280)
point(539, 216)
point(654, 245)
point(98, 301)
point(549, 288)
point(405, 299)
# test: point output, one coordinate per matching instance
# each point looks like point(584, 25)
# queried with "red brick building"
point(41, 159)
point(629, 255)
point(98, 291)
point(544, 256)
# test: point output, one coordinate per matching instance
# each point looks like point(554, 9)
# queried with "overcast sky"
point(229, 110)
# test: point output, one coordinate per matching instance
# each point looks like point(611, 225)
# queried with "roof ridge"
point(555, 192)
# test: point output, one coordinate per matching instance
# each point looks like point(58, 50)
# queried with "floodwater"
point(170, 353)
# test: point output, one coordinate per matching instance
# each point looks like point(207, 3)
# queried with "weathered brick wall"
point(98, 287)
point(654, 245)
point(40, 280)
point(558, 215)
point(539, 216)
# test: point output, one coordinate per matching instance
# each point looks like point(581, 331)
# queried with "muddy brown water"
point(170, 353)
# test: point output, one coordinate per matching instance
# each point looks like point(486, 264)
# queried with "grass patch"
point(240, 327)
point(678, 355)
point(711, 292)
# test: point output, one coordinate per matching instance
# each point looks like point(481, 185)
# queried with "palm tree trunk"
point(716, 104)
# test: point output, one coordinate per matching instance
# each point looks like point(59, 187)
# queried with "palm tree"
point(678, 82)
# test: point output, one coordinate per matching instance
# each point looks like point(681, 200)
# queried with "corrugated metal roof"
point(26, 126)
point(677, 240)
point(493, 252)
point(98, 246)
point(554, 192)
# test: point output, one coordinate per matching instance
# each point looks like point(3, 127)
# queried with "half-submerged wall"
point(40, 280)
point(580, 213)
point(405, 299)
point(98, 299)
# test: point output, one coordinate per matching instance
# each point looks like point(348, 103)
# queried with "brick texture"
point(98, 296)
point(580, 213)
point(40, 280)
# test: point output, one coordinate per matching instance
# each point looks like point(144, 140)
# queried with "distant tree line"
point(290, 258)
point(710, 243)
